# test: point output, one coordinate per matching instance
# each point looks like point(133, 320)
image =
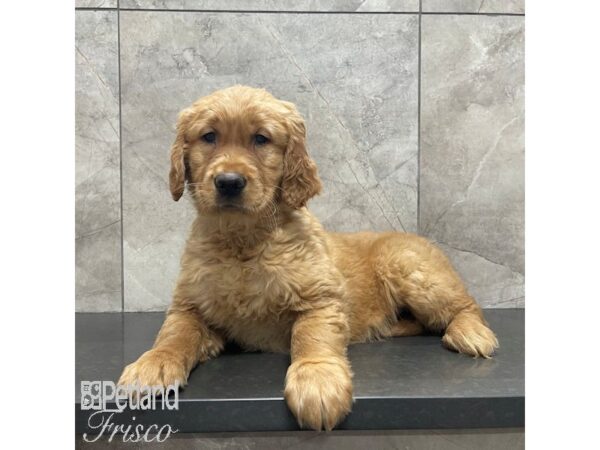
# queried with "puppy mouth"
point(228, 205)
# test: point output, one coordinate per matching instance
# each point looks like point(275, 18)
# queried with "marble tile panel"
point(97, 192)
point(278, 5)
point(475, 6)
point(472, 150)
point(95, 3)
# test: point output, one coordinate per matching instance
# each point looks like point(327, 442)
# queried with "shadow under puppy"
point(260, 270)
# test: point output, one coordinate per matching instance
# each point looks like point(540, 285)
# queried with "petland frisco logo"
point(97, 395)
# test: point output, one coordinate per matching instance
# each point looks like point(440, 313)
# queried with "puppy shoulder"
point(302, 224)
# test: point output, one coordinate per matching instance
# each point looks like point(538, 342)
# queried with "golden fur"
point(263, 272)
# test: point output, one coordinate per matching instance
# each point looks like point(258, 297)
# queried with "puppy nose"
point(230, 184)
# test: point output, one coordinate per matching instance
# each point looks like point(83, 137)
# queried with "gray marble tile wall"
point(97, 163)
point(96, 3)
point(277, 5)
point(415, 120)
point(475, 6)
point(472, 130)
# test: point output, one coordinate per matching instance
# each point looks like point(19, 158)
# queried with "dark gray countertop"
point(401, 383)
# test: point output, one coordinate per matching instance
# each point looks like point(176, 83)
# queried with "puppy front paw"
point(319, 393)
point(156, 367)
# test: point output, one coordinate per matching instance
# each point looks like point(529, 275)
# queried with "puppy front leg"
point(182, 342)
point(318, 387)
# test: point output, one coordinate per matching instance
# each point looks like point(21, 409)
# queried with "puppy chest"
point(242, 291)
point(249, 305)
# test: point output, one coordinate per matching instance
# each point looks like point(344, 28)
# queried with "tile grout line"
point(120, 157)
point(419, 126)
point(243, 11)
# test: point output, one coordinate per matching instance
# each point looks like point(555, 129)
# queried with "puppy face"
point(241, 150)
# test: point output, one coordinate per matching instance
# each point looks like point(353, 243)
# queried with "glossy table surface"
point(400, 383)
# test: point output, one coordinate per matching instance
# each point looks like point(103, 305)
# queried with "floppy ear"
point(300, 181)
point(177, 173)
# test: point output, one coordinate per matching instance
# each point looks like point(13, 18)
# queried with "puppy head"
point(240, 149)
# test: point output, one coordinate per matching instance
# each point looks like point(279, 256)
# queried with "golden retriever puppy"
point(260, 270)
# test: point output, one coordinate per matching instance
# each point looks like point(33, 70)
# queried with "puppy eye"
point(211, 137)
point(259, 139)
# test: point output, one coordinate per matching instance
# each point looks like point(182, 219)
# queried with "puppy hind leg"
point(448, 308)
point(457, 315)
point(419, 277)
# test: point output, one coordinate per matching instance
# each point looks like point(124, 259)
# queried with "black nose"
point(230, 184)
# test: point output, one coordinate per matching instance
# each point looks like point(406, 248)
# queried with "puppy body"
point(259, 269)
